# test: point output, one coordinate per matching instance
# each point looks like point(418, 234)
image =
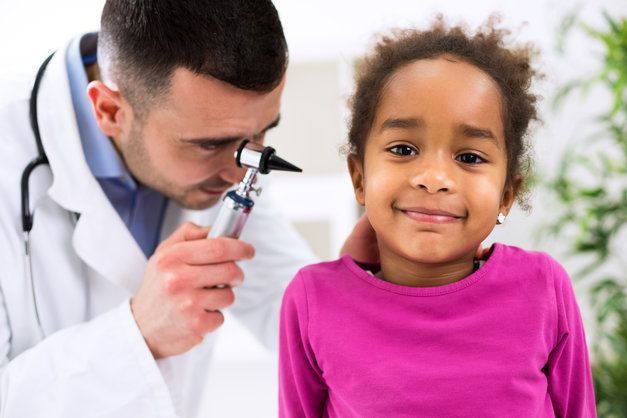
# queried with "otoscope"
point(237, 204)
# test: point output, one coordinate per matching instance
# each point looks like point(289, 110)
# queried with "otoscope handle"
point(232, 216)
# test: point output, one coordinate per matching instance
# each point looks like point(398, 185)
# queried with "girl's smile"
point(425, 214)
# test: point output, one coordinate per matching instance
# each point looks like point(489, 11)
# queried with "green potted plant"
point(591, 188)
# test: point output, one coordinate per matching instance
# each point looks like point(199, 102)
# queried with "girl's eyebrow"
point(402, 123)
point(470, 131)
point(465, 129)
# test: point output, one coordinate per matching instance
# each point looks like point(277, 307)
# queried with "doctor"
point(108, 304)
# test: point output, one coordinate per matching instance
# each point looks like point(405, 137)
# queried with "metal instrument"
point(237, 203)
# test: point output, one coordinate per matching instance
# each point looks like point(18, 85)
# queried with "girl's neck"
point(402, 271)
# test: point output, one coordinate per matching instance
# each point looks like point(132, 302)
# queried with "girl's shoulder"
point(530, 265)
point(328, 276)
point(323, 271)
point(523, 258)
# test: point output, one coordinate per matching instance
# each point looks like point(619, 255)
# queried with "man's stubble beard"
point(141, 167)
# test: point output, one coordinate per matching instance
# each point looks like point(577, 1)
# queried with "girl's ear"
point(509, 195)
point(355, 168)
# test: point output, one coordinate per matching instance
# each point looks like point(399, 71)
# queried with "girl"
point(437, 157)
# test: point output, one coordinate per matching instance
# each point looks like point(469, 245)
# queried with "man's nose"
point(231, 173)
point(434, 174)
point(228, 170)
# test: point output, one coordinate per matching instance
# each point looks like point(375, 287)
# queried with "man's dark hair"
point(240, 42)
point(509, 66)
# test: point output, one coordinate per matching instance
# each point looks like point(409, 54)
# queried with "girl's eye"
point(469, 158)
point(403, 150)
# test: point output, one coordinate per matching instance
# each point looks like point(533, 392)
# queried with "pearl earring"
point(500, 219)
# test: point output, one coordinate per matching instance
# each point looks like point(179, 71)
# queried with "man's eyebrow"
point(272, 124)
point(212, 142)
point(402, 123)
point(220, 141)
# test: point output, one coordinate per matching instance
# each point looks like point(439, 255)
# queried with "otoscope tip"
point(277, 163)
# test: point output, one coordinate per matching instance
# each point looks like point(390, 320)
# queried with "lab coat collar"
point(100, 237)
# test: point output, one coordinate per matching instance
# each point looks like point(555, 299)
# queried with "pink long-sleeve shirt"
point(506, 341)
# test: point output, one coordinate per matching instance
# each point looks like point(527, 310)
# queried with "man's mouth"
point(214, 192)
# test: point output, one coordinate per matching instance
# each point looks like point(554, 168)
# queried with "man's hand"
point(178, 302)
point(482, 253)
point(361, 244)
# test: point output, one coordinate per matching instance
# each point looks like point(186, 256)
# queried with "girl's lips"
point(431, 216)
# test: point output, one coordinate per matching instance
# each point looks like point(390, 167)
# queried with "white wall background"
point(324, 38)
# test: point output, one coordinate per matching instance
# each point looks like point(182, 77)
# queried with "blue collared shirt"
point(140, 207)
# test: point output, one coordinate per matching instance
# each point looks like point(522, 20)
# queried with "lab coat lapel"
point(101, 239)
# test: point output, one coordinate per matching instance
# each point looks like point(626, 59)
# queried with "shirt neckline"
point(102, 158)
point(495, 254)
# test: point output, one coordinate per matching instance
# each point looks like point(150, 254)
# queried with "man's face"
point(184, 146)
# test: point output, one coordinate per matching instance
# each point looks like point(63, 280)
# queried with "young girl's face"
point(434, 170)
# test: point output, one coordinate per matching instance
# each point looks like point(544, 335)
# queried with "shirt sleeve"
point(302, 391)
point(569, 377)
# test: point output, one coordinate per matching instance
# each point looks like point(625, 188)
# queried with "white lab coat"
point(93, 361)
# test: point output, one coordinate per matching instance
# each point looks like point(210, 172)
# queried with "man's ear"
point(109, 108)
point(355, 168)
point(509, 195)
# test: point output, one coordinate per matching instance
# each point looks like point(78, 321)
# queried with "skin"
point(433, 176)
point(183, 147)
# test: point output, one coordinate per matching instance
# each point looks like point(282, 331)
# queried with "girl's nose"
point(434, 175)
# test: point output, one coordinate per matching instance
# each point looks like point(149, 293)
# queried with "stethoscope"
point(39, 160)
point(28, 214)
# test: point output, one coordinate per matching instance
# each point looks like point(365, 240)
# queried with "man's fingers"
point(214, 299)
point(186, 278)
point(361, 244)
point(363, 228)
point(209, 300)
point(481, 253)
point(212, 251)
point(195, 234)
point(206, 321)
point(188, 231)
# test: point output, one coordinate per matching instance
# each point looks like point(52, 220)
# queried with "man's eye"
point(469, 158)
point(404, 150)
point(214, 146)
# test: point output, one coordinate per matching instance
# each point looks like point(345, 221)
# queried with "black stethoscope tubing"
point(41, 159)
point(27, 214)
